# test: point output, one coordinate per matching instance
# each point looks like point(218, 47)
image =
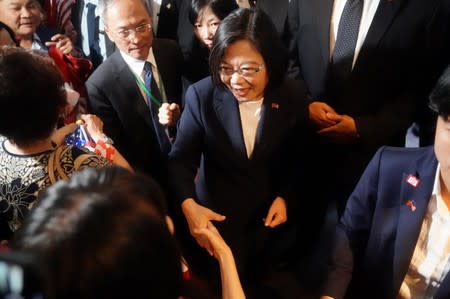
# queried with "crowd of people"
point(193, 148)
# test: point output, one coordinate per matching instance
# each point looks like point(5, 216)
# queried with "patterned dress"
point(22, 177)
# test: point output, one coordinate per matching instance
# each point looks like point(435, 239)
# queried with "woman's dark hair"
point(440, 95)
point(32, 95)
point(9, 30)
point(255, 26)
point(221, 8)
point(103, 234)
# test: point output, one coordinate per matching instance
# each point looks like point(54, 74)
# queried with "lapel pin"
point(169, 5)
point(413, 181)
point(275, 106)
point(411, 204)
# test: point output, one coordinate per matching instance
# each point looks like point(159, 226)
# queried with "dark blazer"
point(378, 230)
point(277, 11)
point(405, 50)
point(210, 137)
point(168, 19)
point(114, 96)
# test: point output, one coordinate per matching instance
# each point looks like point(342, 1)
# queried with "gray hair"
point(104, 5)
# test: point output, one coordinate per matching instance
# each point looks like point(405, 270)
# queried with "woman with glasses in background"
point(240, 127)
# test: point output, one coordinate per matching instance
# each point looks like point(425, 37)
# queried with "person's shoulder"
point(404, 152)
point(107, 69)
point(201, 91)
point(203, 85)
point(388, 157)
point(165, 46)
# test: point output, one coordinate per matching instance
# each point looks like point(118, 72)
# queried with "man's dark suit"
point(114, 96)
point(403, 54)
point(278, 13)
point(379, 230)
point(210, 137)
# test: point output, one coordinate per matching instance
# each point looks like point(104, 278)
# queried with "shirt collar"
point(437, 194)
point(137, 65)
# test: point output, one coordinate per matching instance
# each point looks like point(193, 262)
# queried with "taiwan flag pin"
point(413, 181)
point(275, 106)
point(411, 204)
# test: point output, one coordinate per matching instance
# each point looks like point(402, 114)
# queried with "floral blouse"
point(22, 177)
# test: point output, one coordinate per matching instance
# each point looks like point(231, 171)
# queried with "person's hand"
point(59, 135)
point(319, 114)
point(62, 42)
point(277, 213)
point(94, 126)
point(169, 114)
point(199, 217)
point(218, 245)
point(344, 131)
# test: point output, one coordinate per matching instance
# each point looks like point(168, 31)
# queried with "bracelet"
point(105, 150)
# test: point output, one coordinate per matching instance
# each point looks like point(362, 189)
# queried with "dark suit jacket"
point(379, 230)
point(168, 19)
point(242, 189)
point(403, 54)
point(115, 97)
point(277, 11)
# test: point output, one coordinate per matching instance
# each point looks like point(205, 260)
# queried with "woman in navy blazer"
point(386, 245)
point(239, 128)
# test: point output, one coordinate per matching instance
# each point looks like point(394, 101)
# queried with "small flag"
point(275, 106)
point(413, 181)
point(411, 204)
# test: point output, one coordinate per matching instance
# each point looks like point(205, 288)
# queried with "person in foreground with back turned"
point(33, 154)
point(106, 234)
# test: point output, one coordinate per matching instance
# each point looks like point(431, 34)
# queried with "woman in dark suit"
point(239, 126)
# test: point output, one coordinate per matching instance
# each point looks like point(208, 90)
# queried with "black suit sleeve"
point(184, 158)
point(101, 106)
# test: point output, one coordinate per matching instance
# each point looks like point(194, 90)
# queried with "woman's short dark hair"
point(9, 30)
point(255, 26)
point(440, 95)
point(221, 8)
point(103, 234)
point(32, 95)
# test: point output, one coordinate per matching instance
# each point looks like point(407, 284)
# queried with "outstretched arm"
point(231, 284)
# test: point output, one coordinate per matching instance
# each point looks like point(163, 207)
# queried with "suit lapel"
point(324, 11)
point(127, 85)
point(384, 16)
point(270, 117)
point(411, 217)
point(228, 114)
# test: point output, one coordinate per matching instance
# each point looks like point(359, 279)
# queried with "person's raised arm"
point(231, 284)
point(94, 126)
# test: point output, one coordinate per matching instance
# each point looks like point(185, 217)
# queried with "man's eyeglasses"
point(243, 70)
point(126, 33)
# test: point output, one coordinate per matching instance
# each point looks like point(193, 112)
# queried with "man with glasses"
point(136, 91)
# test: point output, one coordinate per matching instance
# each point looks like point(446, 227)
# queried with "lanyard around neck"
point(142, 86)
